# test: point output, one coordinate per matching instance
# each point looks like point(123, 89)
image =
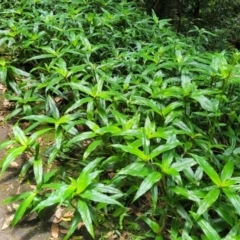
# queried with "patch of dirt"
point(31, 228)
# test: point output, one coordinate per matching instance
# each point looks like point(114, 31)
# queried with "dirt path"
point(31, 228)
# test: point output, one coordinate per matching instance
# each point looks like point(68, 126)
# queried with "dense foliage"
point(219, 17)
point(145, 122)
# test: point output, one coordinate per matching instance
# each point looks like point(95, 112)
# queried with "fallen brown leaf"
point(55, 230)
point(7, 222)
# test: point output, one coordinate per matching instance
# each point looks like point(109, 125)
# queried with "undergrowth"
point(145, 122)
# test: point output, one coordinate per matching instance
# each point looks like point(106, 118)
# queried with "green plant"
point(145, 123)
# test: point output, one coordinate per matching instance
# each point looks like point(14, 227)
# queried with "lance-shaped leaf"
point(25, 204)
point(208, 230)
point(207, 202)
point(38, 170)
point(93, 145)
point(85, 178)
point(74, 223)
point(86, 216)
point(99, 197)
point(233, 198)
point(147, 183)
point(163, 148)
point(133, 150)
point(207, 168)
point(20, 135)
point(14, 153)
point(227, 171)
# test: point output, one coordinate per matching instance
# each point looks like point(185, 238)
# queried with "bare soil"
point(31, 228)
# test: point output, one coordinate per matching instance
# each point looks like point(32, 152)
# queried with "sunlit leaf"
point(93, 145)
point(13, 154)
point(227, 171)
point(38, 170)
point(20, 135)
point(133, 169)
point(24, 205)
point(163, 148)
point(99, 197)
point(233, 198)
point(86, 216)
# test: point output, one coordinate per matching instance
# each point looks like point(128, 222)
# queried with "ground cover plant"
point(144, 121)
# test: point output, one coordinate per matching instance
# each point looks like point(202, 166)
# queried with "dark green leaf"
point(207, 202)
point(147, 183)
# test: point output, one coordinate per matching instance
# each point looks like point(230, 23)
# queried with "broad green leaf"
point(86, 43)
point(3, 74)
point(92, 146)
point(81, 137)
point(79, 103)
point(133, 170)
point(13, 154)
point(186, 193)
point(183, 164)
point(225, 213)
point(205, 103)
point(84, 178)
point(130, 132)
point(163, 148)
point(58, 196)
point(149, 103)
point(175, 227)
point(208, 230)
point(207, 202)
point(234, 233)
point(42, 56)
point(171, 107)
point(24, 205)
point(52, 108)
point(20, 136)
point(207, 168)
point(86, 216)
point(120, 118)
point(17, 197)
point(74, 224)
point(82, 88)
point(19, 72)
point(147, 183)
point(108, 129)
point(145, 142)
point(99, 187)
point(152, 224)
point(99, 197)
point(92, 125)
point(5, 144)
point(227, 171)
point(233, 198)
point(38, 171)
point(12, 114)
point(132, 150)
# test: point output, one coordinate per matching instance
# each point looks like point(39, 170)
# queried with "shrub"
point(145, 123)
